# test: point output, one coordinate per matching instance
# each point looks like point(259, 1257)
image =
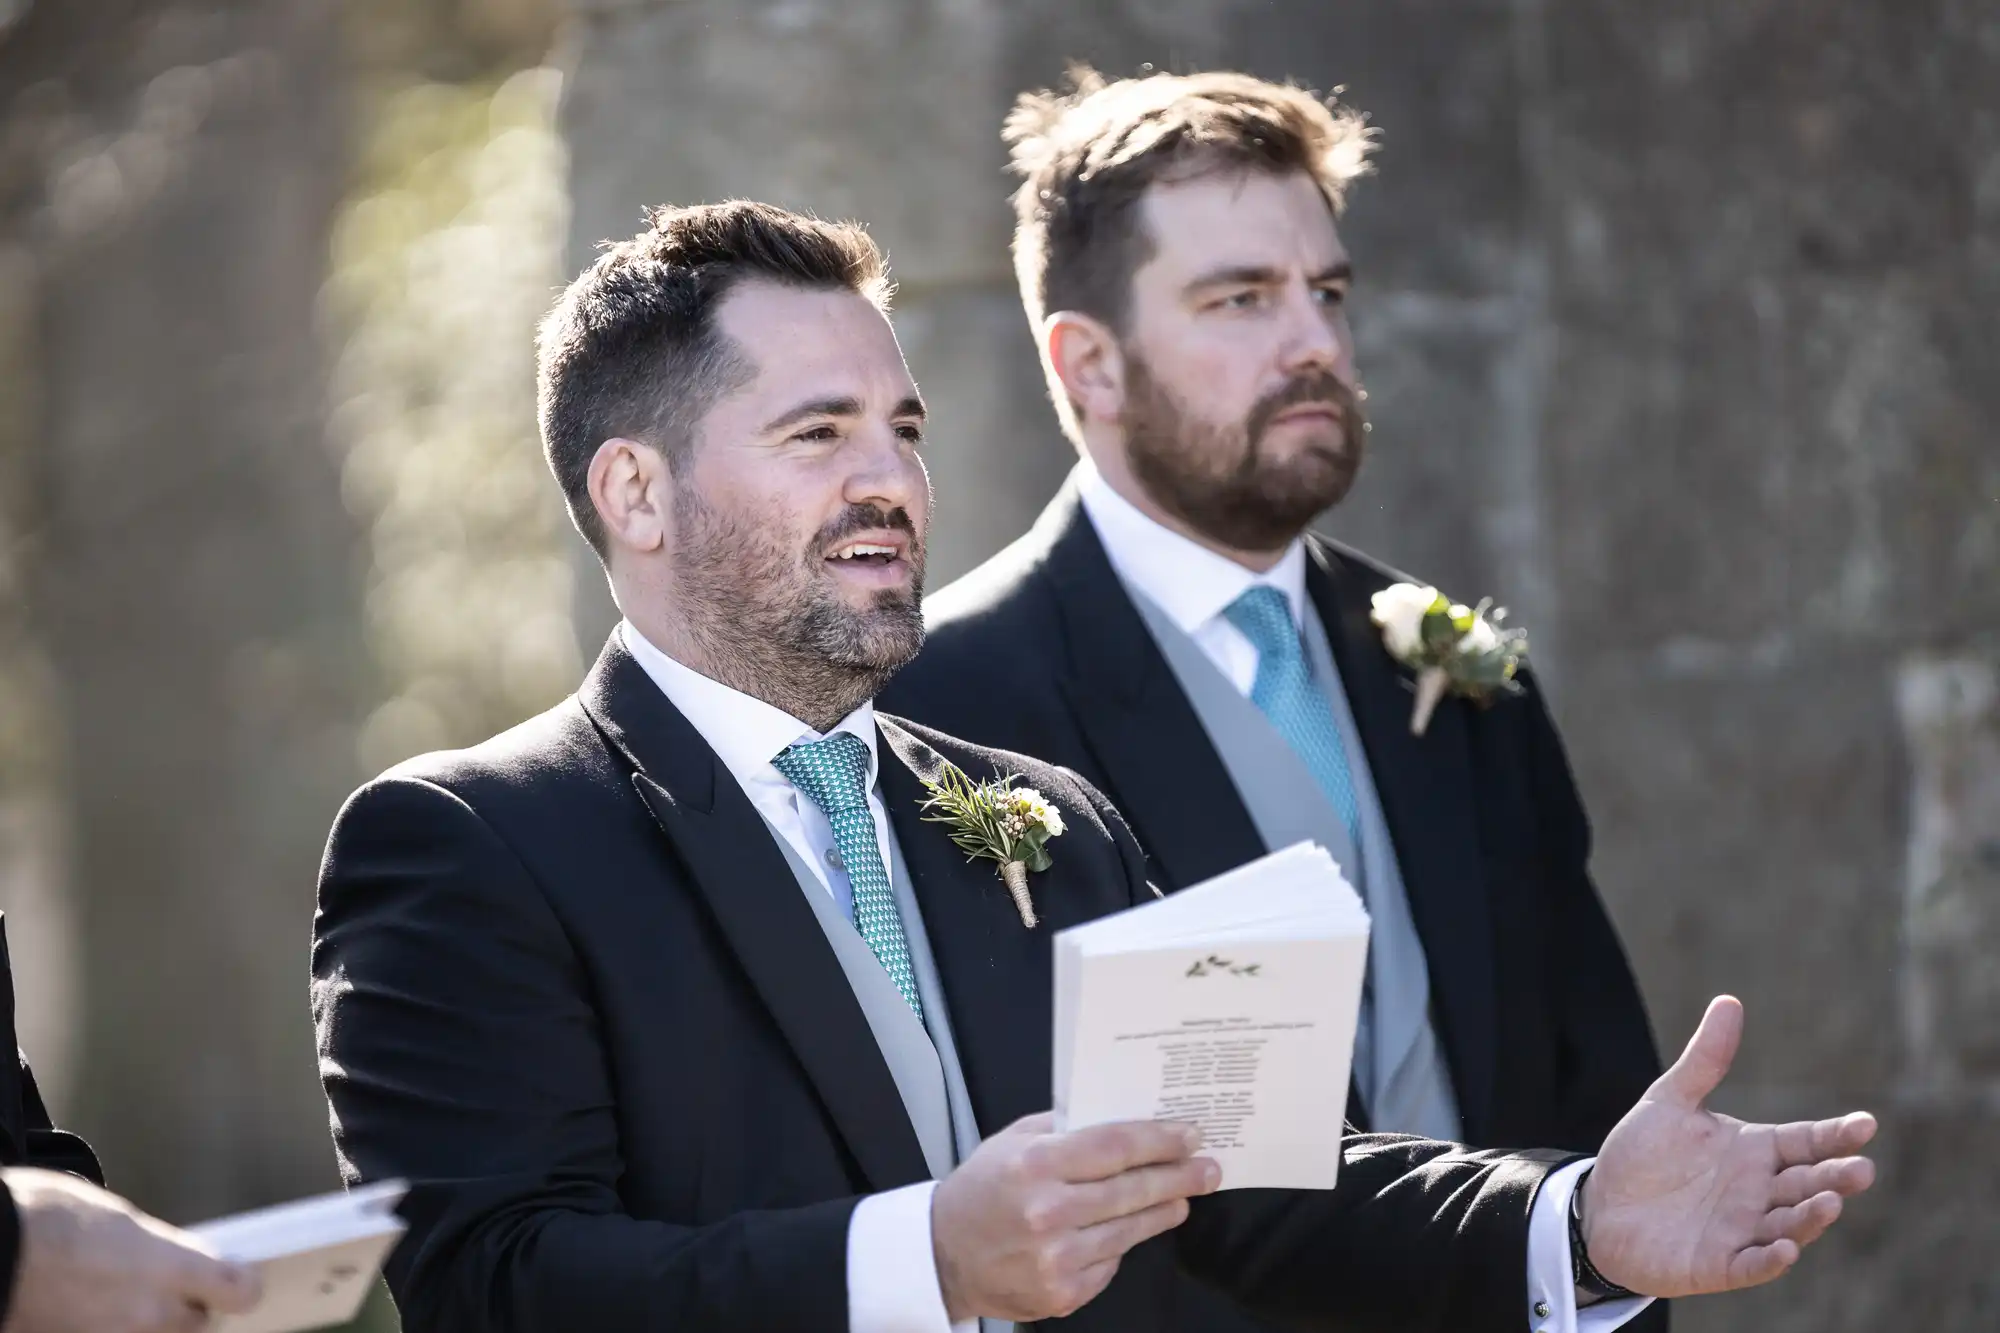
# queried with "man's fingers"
point(1853, 1132)
point(1710, 1052)
point(1111, 1240)
point(222, 1288)
point(164, 1314)
point(1794, 1185)
point(1094, 1279)
point(1142, 1188)
point(1761, 1263)
point(185, 1319)
point(1842, 1175)
point(1802, 1223)
point(1804, 1142)
point(198, 1277)
point(1103, 1151)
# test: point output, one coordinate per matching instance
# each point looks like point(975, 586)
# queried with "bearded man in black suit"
point(678, 1015)
point(1171, 630)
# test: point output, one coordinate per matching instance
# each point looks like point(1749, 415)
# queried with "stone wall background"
point(1678, 322)
point(179, 646)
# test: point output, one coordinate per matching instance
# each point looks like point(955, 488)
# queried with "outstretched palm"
point(1684, 1201)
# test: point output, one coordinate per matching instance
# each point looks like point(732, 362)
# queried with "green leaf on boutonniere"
point(997, 821)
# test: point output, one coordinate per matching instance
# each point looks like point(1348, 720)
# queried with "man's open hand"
point(1033, 1224)
point(1684, 1201)
point(92, 1263)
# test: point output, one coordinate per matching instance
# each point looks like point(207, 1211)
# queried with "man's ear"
point(1088, 363)
point(632, 490)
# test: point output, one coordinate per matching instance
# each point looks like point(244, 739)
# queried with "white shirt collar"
point(746, 733)
point(1191, 583)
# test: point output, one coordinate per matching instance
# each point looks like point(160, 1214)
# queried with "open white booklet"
point(1231, 1004)
point(318, 1257)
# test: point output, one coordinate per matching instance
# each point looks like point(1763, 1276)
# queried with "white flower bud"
point(1400, 610)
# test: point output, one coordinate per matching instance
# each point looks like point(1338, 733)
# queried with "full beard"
point(768, 622)
point(1222, 481)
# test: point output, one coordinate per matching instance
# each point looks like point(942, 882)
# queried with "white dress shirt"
point(1185, 579)
point(1195, 586)
point(892, 1284)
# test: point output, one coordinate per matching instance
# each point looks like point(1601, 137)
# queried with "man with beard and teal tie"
point(677, 1013)
point(1172, 630)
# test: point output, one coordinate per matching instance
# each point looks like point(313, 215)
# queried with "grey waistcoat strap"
point(906, 1046)
point(922, 1057)
point(1399, 1068)
point(965, 1133)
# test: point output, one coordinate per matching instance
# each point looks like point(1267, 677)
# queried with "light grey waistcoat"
point(1399, 1068)
point(922, 1056)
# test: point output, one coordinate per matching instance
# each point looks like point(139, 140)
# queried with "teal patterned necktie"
point(1285, 693)
point(833, 774)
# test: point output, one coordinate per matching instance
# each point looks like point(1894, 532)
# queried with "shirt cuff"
point(1551, 1279)
point(892, 1282)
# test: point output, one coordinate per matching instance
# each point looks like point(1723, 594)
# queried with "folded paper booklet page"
point(318, 1257)
point(1231, 1004)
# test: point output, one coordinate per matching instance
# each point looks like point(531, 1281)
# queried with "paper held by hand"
point(1231, 1004)
point(317, 1257)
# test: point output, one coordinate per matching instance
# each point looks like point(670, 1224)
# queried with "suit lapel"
point(1163, 773)
point(997, 975)
point(754, 898)
point(1427, 792)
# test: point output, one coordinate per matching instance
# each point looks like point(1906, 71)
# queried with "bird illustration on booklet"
point(1453, 648)
point(996, 820)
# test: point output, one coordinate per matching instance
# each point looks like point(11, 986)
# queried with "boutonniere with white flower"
point(999, 821)
point(1453, 648)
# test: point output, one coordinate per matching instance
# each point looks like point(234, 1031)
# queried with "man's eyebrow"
point(817, 407)
point(1256, 274)
point(1248, 274)
point(912, 406)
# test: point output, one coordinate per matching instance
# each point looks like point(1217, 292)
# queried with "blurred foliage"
point(449, 41)
point(444, 259)
point(446, 253)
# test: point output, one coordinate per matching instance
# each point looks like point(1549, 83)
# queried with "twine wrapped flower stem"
point(997, 821)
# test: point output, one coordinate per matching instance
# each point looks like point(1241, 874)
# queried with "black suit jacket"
point(27, 1136)
point(565, 982)
point(1041, 650)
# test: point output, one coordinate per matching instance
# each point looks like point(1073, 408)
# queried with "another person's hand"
point(92, 1263)
point(1684, 1201)
point(1034, 1223)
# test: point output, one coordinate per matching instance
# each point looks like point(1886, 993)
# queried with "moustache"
point(868, 518)
point(1321, 388)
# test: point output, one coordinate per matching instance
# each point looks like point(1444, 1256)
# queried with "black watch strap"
point(1592, 1284)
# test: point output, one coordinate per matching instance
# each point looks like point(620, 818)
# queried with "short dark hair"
point(1087, 156)
point(631, 348)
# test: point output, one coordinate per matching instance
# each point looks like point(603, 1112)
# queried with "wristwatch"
point(1592, 1285)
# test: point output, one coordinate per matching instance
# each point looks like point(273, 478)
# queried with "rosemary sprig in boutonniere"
point(996, 820)
point(1453, 648)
